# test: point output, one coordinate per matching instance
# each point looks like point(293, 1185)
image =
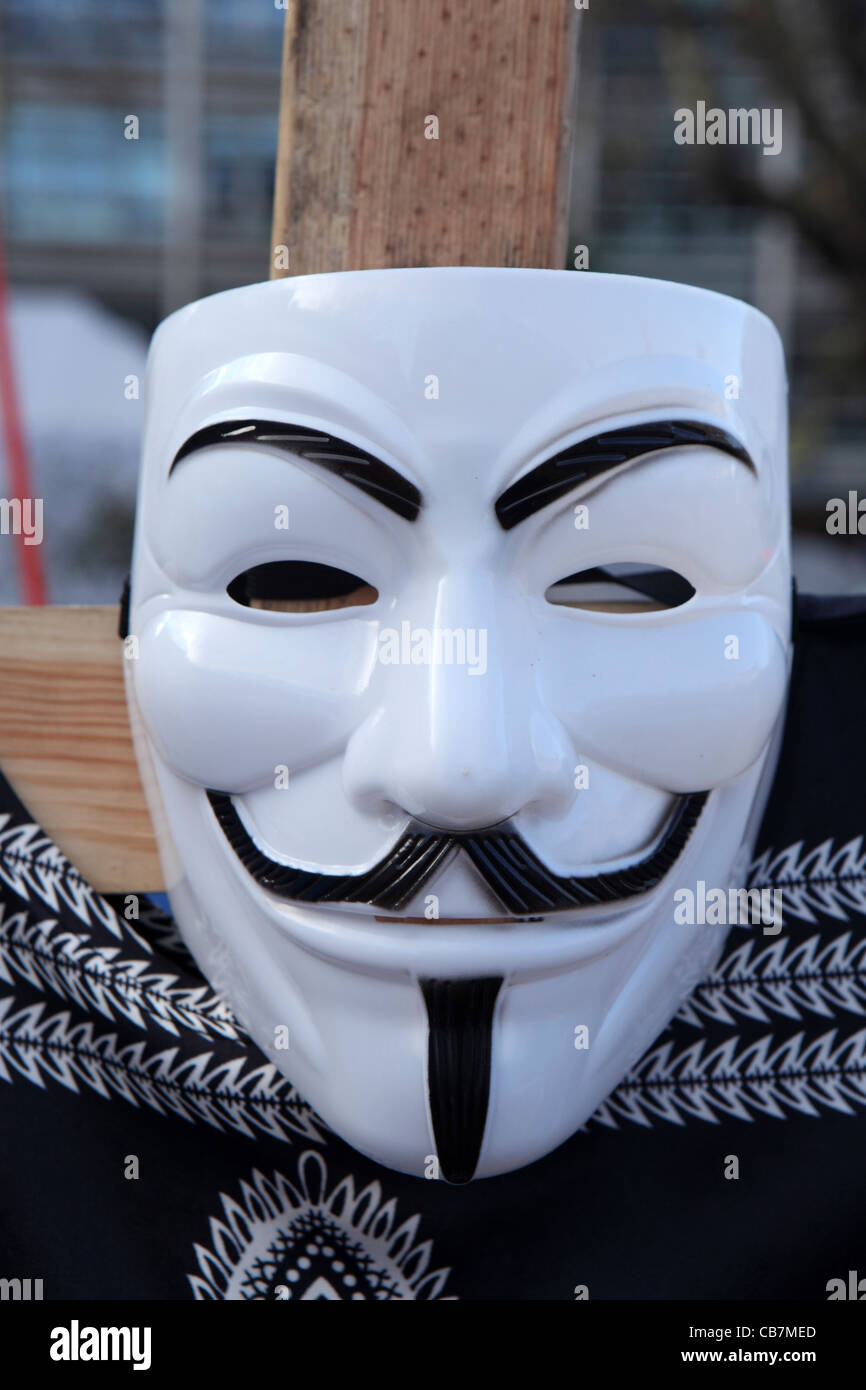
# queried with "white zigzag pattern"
point(759, 981)
point(95, 977)
point(227, 1095)
point(762, 1078)
point(234, 1094)
point(30, 863)
point(822, 881)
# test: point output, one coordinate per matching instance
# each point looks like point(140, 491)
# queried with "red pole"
point(30, 572)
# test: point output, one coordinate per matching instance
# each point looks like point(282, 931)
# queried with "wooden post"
point(418, 133)
point(361, 183)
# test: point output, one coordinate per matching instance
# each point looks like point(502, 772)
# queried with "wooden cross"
point(410, 133)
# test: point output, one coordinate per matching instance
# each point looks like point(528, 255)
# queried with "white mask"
point(422, 820)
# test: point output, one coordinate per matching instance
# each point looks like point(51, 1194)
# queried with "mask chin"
point(463, 1051)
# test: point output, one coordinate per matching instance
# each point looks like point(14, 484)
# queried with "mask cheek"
point(685, 707)
point(219, 703)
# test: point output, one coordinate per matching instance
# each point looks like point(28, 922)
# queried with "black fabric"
point(114, 1049)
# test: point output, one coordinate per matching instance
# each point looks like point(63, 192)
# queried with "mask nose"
point(460, 739)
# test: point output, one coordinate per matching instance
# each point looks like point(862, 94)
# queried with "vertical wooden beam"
point(360, 182)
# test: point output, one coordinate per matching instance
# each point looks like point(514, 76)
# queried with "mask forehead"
point(463, 375)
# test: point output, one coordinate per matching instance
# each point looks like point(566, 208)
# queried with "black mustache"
point(516, 876)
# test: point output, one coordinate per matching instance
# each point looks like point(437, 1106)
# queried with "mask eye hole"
point(622, 588)
point(300, 586)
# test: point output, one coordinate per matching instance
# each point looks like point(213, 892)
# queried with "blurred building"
point(82, 204)
point(648, 206)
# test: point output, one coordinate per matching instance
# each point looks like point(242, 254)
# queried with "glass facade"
point(82, 203)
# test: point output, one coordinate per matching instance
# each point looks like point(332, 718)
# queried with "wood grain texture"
point(65, 744)
point(367, 189)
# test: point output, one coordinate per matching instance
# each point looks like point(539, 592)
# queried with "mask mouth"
point(511, 870)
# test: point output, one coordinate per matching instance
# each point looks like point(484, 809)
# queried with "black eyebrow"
point(381, 482)
point(592, 457)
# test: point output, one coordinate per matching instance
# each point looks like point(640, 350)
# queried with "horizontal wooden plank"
point(65, 744)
